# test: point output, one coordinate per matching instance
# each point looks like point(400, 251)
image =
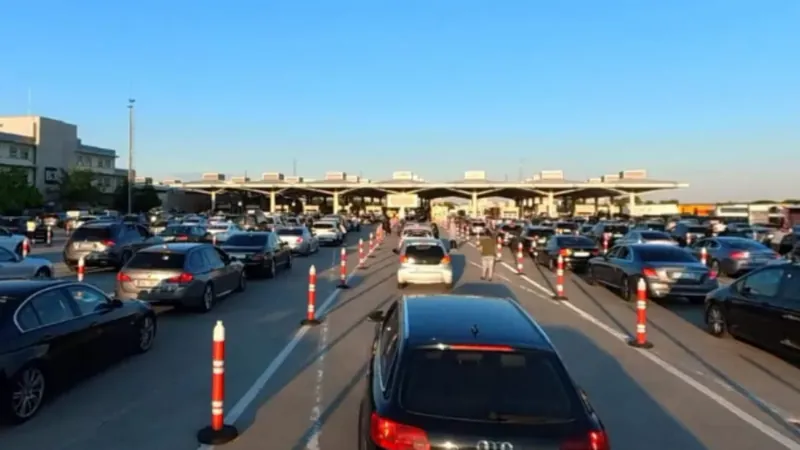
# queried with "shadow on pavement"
point(577, 282)
point(633, 419)
point(459, 264)
point(335, 403)
point(773, 375)
point(377, 284)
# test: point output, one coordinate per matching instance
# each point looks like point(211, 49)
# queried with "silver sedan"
point(299, 239)
point(14, 266)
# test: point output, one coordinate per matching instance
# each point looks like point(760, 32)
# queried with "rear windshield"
point(420, 251)
point(323, 225)
point(174, 231)
point(455, 384)
point(744, 244)
point(655, 236)
point(417, 233)
point(616, 229)
point(574, 241)
point(91, 234)
point(542, 233)
point(290, 232)
point(664, 253)
point(218, 226)
point(156, 260)
point(247, 240)
point(655, 226)
point(696, 229)
point(566, 225)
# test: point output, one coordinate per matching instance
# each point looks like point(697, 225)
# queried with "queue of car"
point(54, 328)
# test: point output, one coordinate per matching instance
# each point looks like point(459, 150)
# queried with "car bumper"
point(327, 238)
point(425, 276)
point(662, 290)
point(91, 259)
point(180, 296)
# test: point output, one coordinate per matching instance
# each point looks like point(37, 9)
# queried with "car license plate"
point(684, 276)
point(581, 254)
point(84, 246)
point(146, 283)
point(238, 255)
point(542, 240)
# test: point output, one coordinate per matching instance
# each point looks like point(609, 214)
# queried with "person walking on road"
point(488, 256)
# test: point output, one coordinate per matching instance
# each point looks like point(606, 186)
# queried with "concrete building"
point(47, 146)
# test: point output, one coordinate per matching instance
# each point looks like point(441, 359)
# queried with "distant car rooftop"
point(181, 247)
point(454, 318)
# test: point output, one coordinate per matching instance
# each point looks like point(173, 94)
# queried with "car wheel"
point(146, 335)
point(26, 393)
point(625, 289)
point(208, 299)
point(242, 282)
point(715, 321)
point(43, 273)
point(289, 262)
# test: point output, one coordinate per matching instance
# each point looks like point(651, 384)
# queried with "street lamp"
point(131, 174)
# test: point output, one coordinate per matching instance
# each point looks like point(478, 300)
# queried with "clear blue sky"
point(703, 91)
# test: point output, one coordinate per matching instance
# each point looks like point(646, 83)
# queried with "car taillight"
point(122, 276)
point(390, 435)
point(182, 278)
point(564, 252)
point(713, 275)
point(740, 255)
point(649, 272)
point(403, 259)
point(445, 260)
point(299, 240)
point(596, 440)
point(109, 243)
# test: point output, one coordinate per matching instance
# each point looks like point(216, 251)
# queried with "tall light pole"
point(131, 173)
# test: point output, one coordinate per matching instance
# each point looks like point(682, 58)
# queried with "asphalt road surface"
point(299, 388)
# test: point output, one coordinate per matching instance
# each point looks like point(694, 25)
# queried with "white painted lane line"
point(316, 410)
point(751, 420)
point(258, 385)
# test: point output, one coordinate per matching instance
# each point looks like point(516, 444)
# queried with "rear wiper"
point(519, 418)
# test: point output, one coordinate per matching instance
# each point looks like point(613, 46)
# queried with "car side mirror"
point(376, 316)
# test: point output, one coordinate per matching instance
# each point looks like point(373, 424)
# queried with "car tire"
point(242, 286)
point(551, 264)
point(145, 334)
point(43, 273)
point(716, 325)
point(33, 379)
point(208, 299)
point(289, 262)
point(625, 291)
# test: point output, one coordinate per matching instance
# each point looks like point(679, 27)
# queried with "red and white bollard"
point(605, 243)
point(560, 280)
point(704, 256)
point(362, 260)
point(48, 239)
point(311, 312)
point(26, 247)
point(214, 240)
point(640, 341)
point(372, 247)
point(343, 269)
point(688, 239)
point(499, 251)
point(81, 268)
point(520, 258)
point(218, 432)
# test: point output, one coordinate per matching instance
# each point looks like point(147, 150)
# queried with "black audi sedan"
point(486, 378)
point(51, 330)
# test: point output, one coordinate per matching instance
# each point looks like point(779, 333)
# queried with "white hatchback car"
point(424, 261)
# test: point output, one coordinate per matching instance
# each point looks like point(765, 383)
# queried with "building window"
point(25, 154)
point(13, 152)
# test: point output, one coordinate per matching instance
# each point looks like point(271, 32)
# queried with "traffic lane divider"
point(698, 370)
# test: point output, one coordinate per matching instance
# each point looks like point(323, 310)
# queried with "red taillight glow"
point(299, 240)
point(480, 348)
point(390, 435)
point(182, 278)
point(596, 440)
point(740, 255)
point(109, 243)
point(403, 259)
point(182, 238)
point(713, 274)
point(563, 252)
point(649, 272)
point(445, 260)
point(122, 276)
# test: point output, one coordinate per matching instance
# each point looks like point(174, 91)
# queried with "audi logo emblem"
point(492, 445)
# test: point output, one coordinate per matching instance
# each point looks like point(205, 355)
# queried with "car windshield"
point(453, 384)
point(175, 231)
point(744, 244)
point(574, 241)
point(247, 240)
point(544, 232)
point(655, 236)
point(290, 232)
point(91, 234)
point(664, 253)
point(424, 253)
point(157, 260)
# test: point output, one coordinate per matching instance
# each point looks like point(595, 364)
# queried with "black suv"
point(486, 378)
point(104, 244)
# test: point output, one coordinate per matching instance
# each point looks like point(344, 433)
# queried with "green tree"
point(762, 202)
point(77, 187)
point(16, 194)
point(145, 198)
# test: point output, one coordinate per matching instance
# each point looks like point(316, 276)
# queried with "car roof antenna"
point(475, 330)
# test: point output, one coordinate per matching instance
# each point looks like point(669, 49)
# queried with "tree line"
point(76, 189)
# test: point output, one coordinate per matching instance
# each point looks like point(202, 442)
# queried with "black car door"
point(280, 249)
point(789, 298)
point(113, 331)
point(617, 262)
point(52, 320)
point(752, 311)
point(602, 265)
